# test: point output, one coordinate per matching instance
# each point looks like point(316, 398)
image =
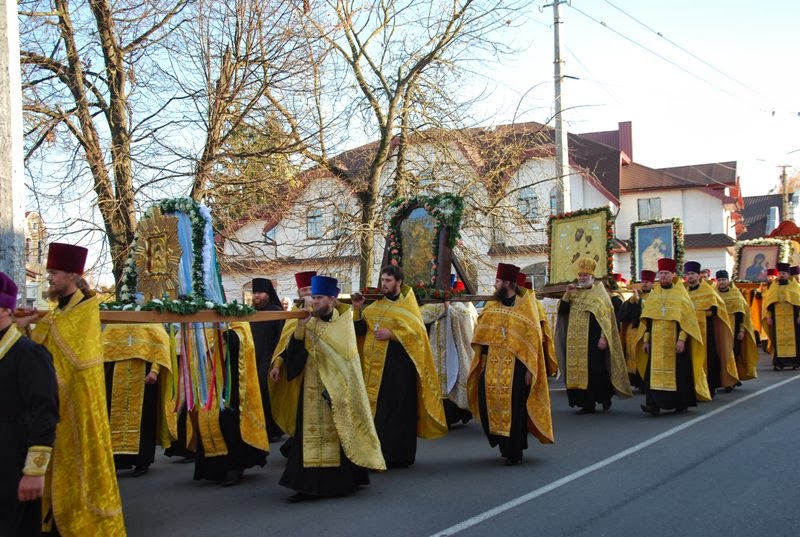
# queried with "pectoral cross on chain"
point(503, 331)
point(663, 310)
point(130, 340)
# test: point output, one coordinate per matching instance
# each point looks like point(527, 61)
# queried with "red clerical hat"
point(459, 286)
point(507, 272)
point(665, 263)
point(303, 279)
point(772, 272)
point(648, 276)
point(522, 281)
point(66, 257)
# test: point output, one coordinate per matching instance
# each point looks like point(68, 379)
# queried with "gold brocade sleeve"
point(251, 411)
point(403, 318)
point(548, 343)
point(748, 361)
point(81, 484)
point(705, 297)
point(284, 393)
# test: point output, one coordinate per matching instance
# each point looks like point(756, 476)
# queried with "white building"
point(506, 176)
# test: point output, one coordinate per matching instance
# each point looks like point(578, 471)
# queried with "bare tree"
point(384, 63)
point(157, 98)
point(83, 65)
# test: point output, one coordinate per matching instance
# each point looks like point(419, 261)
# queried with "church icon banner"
point(585, 233)
point(653, 240)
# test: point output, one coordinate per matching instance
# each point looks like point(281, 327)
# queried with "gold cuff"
point(646, 337)
point(37, 460)
point(276, 362)
point(682, 336)
point(155, 368)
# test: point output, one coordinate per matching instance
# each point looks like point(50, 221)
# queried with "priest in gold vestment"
point(137, 367)
point(81, 494)
point(508, 379)
point(399, 373)
point(715, 325)
point(629, 316)
point(234, 438)
point(673, 377)
point(548, 340)
point(335, 441)
point(588, 343)
point(781, 317)
point(450, 328)
point(745, 348)
point(283, 392)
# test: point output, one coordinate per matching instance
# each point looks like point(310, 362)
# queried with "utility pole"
point(12, 182)
point(785, 194)
point(561, 138)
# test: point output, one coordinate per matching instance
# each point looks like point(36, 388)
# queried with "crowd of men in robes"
point(350, 388)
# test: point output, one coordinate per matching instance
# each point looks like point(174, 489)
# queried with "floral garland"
point(585, 212)
point(184, 305)
point(783, 251)
point(199, 217)
point(677, 241)
point(447, 210)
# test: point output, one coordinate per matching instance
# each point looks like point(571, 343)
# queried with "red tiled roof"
point(712, 176)
point(707, 240)
point(755, 212)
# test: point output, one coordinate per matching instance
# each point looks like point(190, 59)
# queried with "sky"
point(720, 83)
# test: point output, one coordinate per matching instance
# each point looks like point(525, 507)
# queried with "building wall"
point(700, 212)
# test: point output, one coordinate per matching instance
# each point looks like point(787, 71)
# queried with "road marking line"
point(502, 508)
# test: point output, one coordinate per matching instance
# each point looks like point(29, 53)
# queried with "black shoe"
point(301, 497)
point(140, 470)
point(606, 405)
point(186, 460)
point(585, 410)
point(681, 410)
point(510, 461)
point(397, 465)
point(650, 409)
point(232, 477)
point(728, 389)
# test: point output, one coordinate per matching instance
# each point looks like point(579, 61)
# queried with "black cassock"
point(240, 454)
point(266, 335)
point(28, 417)
point(396, 409)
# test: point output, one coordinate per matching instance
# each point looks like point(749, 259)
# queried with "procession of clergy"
point(349, 389)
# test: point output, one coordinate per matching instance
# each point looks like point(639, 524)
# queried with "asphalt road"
point(728, 467)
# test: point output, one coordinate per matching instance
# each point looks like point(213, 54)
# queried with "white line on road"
point(491, 513)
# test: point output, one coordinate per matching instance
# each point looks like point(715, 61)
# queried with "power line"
point(674, 64)
point(683, 49)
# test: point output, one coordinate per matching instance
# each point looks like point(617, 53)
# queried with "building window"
point(340, 221)
point(425, 179)
point(28, 249)
point(314, 223)
point(649, 209)
point(269, 236)
point(554, 200)
point(538, 273)
point(39, 252)
point(528, 203)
